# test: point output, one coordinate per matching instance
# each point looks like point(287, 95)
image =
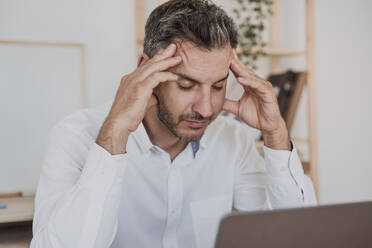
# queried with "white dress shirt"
point(89, 198)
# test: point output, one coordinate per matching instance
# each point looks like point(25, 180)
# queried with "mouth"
point(196, 124)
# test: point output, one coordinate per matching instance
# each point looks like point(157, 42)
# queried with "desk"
point(19, 209)
point(16, 222)
point(16, 235)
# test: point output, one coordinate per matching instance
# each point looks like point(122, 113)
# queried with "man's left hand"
point(258, 107)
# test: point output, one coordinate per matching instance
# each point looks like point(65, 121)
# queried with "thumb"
point(231, 106)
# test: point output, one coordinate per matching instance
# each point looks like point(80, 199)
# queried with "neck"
point(160, 135)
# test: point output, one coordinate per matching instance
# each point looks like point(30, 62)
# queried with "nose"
point(203, 104)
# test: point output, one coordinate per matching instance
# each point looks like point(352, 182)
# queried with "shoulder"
point(83, 123)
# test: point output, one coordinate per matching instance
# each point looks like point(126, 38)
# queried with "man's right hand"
point(133, 98)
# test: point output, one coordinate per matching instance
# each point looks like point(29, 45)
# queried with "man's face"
point(188, 106)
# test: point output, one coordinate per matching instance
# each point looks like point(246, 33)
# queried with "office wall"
point(52, 74)
point(344, 89)
point(38, 86)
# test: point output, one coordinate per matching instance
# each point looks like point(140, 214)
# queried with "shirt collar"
point(195, 147)
point(143, 139)
point(146, 145)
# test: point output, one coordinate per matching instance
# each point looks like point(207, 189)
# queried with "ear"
point(142, 59)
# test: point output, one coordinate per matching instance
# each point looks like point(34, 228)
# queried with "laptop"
point(331, 226)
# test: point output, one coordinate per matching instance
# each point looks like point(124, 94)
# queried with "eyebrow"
point(196, 81)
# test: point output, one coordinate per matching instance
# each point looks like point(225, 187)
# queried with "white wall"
point(38, 86)
point(343, 60)
point(107, 30)
point(344, 90)
point(105, 27)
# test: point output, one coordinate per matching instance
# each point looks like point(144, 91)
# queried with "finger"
point(161, 65)
point(158, 77)
point(166, 53)
point(248, 78)
point(231, 106)
point(240, 70)
point(237, 69)
point(241, 66)
point(256, 86)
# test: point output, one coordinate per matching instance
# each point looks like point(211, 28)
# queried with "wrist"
point(277, 139)
point(113, 137)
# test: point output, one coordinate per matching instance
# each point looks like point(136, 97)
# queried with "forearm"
point(112, 137)
point(278, 139)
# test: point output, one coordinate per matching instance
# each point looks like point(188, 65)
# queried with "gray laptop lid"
point(342, 225)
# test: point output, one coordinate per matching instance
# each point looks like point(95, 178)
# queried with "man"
point(160, 167)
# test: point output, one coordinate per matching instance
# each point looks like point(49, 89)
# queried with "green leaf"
point(251, 27)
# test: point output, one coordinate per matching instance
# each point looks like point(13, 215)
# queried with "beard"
point(172, 122)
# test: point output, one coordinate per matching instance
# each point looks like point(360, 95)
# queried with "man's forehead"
point(190, 50)
point(198, 60)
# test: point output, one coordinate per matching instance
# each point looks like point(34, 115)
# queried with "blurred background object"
point(251, 19)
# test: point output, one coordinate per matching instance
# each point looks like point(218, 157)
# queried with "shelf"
point(274, 52)
point(284, 53)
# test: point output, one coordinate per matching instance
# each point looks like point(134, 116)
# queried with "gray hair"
point(198, 21)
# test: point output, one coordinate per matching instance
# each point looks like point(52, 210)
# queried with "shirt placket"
point(174, 206)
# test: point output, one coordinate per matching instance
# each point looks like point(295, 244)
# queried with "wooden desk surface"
point(19, 209)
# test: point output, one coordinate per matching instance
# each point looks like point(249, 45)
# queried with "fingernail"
point(241, 79)
point(178, 58)
point(171, 46)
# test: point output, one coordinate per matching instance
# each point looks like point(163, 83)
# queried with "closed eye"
point(218, 87)
point(185, 87)
point(190, 87)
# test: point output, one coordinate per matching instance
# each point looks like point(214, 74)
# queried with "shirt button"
point(174, 211)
